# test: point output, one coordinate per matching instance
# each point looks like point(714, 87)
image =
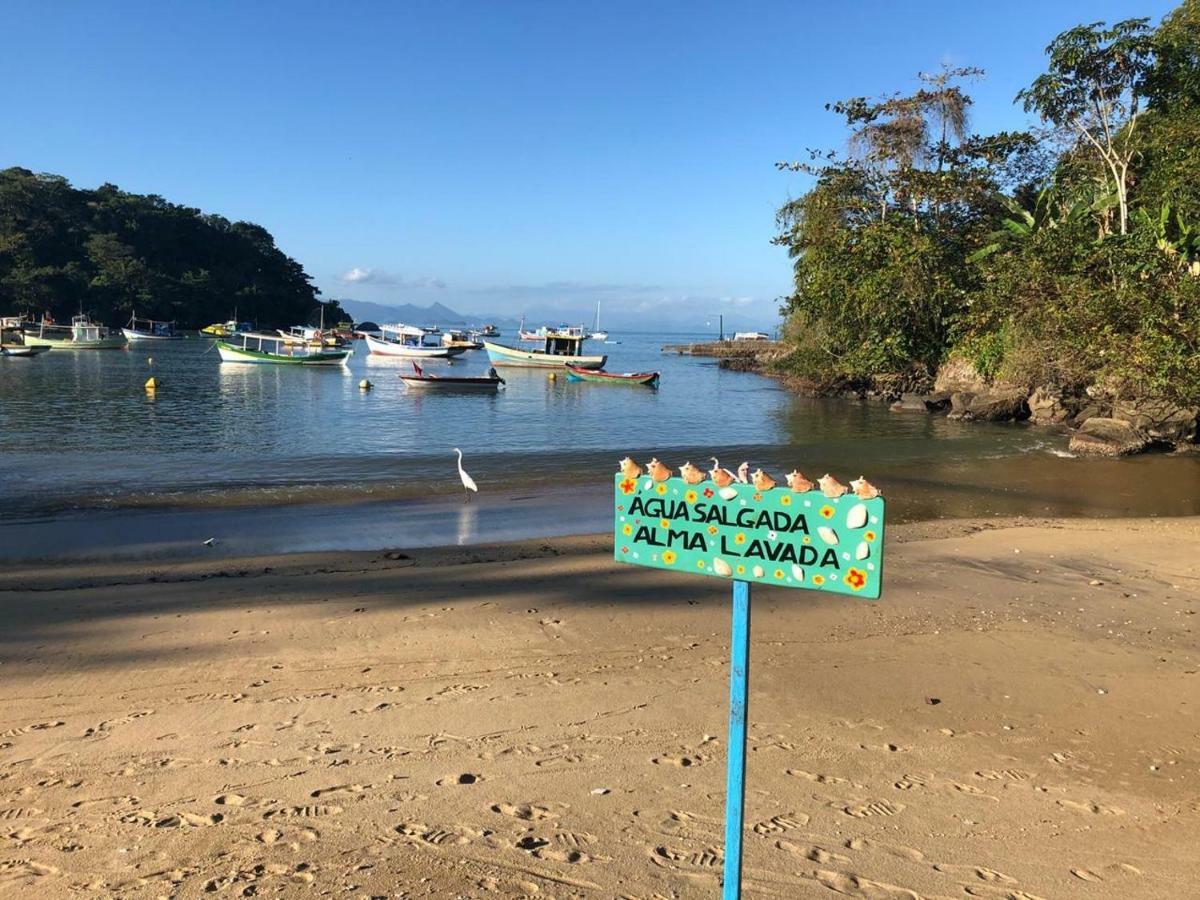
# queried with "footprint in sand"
point(455, 835)
point(679, 761)
point(780, 824)
point(13, 813)
point(1004, 775)
point(1111, 871)
point(852, 885)
point(108, 725)
point(555, 854)
point(899, 851)
point(1090, 806)
point(983, 873)
point(463, 778)
point(26, 871)
point(707, 858)
point(529, 812)
point(812, 852)
point(818, 778)
point(872, 808)
point(188, 820)
point(314, 811)
point(230, 800)
point(680, 823)
point(26, 729)
point(341, 789)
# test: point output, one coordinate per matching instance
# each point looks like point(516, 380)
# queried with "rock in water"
point(1108, 437)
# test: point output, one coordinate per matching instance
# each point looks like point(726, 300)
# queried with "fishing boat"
point(249, 347)
point(466, 340)
point(410, 341)
point(81, 334)
point(597, 334)
point(226, 329)
point(489, 331)
point(12, 341)
point(559, 348)
point(140, 329)
point(489, 382)
point(599, 376)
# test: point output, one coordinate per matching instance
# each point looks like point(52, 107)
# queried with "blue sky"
point(506, 157)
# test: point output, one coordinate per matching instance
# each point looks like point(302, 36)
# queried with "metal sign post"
point(748, 529)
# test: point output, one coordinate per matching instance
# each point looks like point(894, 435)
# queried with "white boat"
point(140, 329)
point(410, 342)
point(751, 336)
point(81, 334)
point(249, 347)
point(559, 349)
point(597, 334)
point(465, 339)
point(12, 342)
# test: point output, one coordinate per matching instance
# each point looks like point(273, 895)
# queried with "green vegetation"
point(109, 252)
point(1065, 257)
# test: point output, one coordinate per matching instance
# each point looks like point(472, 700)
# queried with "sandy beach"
point(1015, 718)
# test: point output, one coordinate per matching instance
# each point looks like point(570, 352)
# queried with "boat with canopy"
point(140, 329)
point(250, 347)
point(560, 347)
point(410, 341)
point(81, 334)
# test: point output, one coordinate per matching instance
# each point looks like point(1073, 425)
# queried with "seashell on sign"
point(797, 572)
point(758, 571)
point(862, 551)
point(828, 535)
point(857, 517)
point(727, 493)
point(721, 567)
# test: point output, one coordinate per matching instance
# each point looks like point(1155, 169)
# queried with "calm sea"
point(271, 458)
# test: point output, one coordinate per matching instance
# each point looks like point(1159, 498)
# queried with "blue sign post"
point(828, 539)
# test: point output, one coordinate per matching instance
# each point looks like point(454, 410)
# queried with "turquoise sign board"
point(777, 535)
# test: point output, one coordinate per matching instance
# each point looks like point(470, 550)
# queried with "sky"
point(498, 157)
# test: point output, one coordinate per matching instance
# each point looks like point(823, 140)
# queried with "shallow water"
point(279, 458)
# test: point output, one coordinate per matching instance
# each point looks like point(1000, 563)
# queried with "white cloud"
point(362, 275)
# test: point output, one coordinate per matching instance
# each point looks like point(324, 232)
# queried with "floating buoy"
point(553, 376)
point(365, 385)
point(151, 384)
point(149, 360)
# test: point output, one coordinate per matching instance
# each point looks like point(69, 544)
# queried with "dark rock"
point(1089, 411)
point(1049, 406)
point(1108, 437)
point(997, 405)
point(1161, 421)
point(910, 403)
point(938, 401)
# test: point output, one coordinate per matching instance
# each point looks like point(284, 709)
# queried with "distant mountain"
point(435, 314)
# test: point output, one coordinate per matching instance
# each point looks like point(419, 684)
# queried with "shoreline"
point(1015, 716)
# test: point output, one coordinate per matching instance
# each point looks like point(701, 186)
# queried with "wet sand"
point(1016, 718)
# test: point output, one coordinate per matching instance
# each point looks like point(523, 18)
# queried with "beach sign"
point(748, 528)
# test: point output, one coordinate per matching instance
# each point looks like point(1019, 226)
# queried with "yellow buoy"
point(553, 376)
point(365, 384)
point(151, 384)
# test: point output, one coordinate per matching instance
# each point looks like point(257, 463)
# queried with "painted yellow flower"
point(818, 580)
point(627, 530)
point(870, 536)
point(856, 578)
point(806, 539)
point(660, 488)
point(712, 529)
point(757, 495)
point(699, 564)
point(741, 570)
point(690, 496)
point(669, 557)
point(664, 523)
point(786, 499)
point(827, 511)
point(739, 538)
point(779, 573)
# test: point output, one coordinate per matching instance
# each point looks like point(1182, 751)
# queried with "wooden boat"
point(410, 341)
point(12, 341)
point(560, 348)
point(248, 347)
point(81, 334)
point(575, 373)
point(140, 329)
point(489, 382)
point(489, 331)
point(462, 339)
point(226, 329)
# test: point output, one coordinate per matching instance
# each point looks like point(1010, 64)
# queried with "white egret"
point(467, 480)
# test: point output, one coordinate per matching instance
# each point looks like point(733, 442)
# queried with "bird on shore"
point(863, 489)
point(762, 481)
point(691, 474)
point(798, 482)
point(467, 480)
point(658, 470)
point(743, 473)
point(629, 468)
point(831, 487)
point(721, 477)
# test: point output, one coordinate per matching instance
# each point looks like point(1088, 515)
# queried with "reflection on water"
point(78, 430)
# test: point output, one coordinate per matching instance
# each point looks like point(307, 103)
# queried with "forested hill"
point(110, 252)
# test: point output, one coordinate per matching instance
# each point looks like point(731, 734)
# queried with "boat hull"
point(24, 350)
point(112, 342)
point(138, 336)
point(233, 354)
point(449, 385)
point(501, 355)
point(648, 379)
point(390, 348)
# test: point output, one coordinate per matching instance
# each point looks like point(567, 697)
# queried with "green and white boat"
point(81, 334)
point(250, 347)
point(563, 346)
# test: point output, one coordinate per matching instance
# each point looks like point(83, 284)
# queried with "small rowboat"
point(489, 382)
point(599, 376)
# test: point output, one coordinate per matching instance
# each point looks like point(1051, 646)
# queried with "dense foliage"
point(108, 252)
point(1066, 258)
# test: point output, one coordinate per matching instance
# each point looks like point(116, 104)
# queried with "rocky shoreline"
point(1099, 420)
